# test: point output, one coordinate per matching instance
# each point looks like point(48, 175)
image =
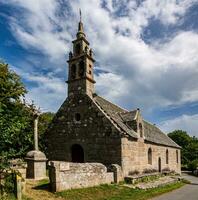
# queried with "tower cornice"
point(79, 39)
point(77, 79)
point(81, 56)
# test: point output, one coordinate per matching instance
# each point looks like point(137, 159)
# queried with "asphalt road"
point(187, 192)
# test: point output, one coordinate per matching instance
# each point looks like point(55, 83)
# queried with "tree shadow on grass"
point(45, 187)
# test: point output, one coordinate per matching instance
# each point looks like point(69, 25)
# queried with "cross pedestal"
point(36, 165)
point(36, 160)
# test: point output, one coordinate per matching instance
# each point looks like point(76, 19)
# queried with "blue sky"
point(146, 53)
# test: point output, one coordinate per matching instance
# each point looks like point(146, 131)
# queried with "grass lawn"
point(116, 192)
point(40, 191)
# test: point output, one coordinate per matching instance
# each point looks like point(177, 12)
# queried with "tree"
point(180, 137)
point(15, 119)
point(44, 121)
point(189, 151)
point(12, 89)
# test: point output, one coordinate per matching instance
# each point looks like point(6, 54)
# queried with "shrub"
point(193, 165)
point(9, 183)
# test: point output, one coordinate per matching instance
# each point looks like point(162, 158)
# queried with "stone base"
point(36, 165)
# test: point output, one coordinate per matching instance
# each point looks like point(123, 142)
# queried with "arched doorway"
point(77, 153)
point(159, 165)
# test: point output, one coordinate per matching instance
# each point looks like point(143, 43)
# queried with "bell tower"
point(81, 62)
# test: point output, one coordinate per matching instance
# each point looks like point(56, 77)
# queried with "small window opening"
point(77, 117)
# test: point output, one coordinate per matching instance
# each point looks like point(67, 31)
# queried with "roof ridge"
point(113, 104)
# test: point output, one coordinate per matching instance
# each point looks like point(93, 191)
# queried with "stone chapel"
point(89, 129)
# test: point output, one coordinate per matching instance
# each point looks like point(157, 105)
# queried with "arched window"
point(77, 153)
point(141, 130)
point(150, 156)
point(177, 156)
point(166, 156)
point(73, 71)
point(159, 164)
point(81, 68)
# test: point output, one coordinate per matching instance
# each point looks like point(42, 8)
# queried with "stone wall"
point(135, 157)
point(65, 175)
point(101, 142)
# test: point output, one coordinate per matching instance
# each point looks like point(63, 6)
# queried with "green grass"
point(12, 197)
point(116, 192)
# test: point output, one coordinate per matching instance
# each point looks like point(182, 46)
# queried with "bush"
point(9, 183)
point(193, 165)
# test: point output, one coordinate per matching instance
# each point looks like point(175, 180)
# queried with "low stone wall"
point(66, 175)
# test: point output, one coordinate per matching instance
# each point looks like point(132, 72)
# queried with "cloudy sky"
point(146, 53)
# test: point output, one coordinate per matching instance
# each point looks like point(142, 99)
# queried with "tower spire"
point(80, 32)
point(80, 14)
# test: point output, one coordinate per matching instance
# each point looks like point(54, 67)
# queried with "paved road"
point(187, 192)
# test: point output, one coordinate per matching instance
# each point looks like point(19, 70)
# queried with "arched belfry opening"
point(81, 68)
point(77, 153)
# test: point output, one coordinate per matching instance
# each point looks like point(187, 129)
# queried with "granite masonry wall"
point(135, 157)
point(65, 175)
point(100, 140)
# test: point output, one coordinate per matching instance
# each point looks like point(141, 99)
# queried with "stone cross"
point(36, 113)
point(36, 116)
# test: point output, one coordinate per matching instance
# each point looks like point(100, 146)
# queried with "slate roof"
point(120, 116)
point(129, 115)
point(114, 113)
point(155, 135)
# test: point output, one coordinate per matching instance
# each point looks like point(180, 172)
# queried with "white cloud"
point(37, 25)
point(140, 75)
point(184, 122)
point(49, 92)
